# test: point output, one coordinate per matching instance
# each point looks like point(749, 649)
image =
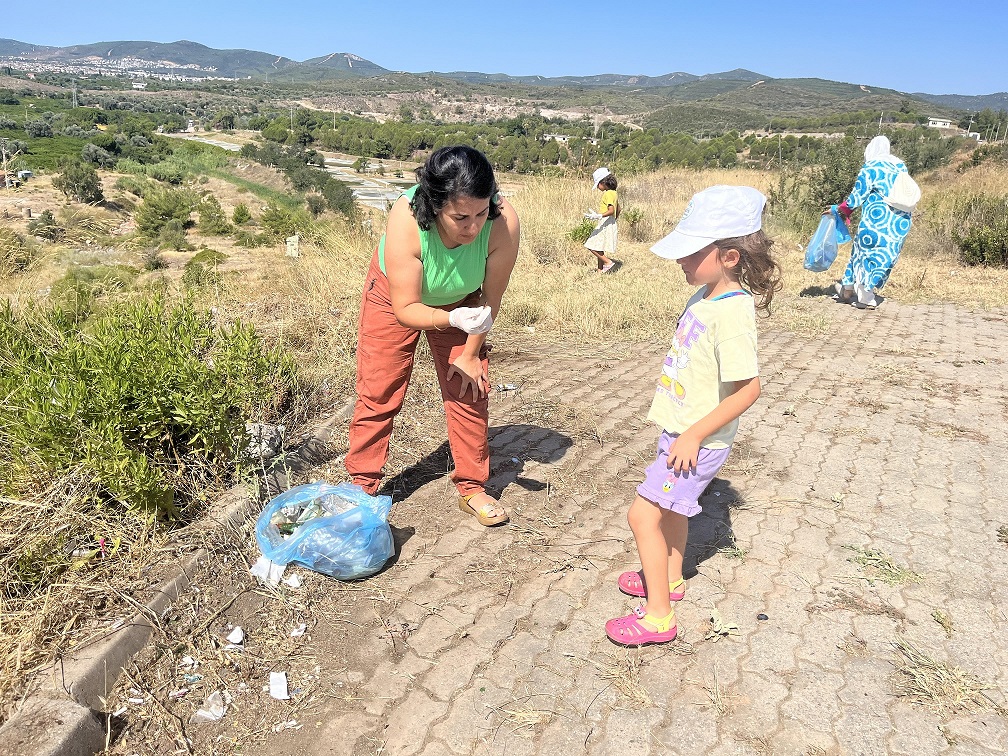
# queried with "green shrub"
point(138, 185)
point(278, 221)
point(46, 227)
point(153, 260)
point(250, 240)
point(161, 206)
point(82, 287)
point(632, 219)
point(212, 220)
point(981, 230)
point(145, 403)
point(196, 276)
point(207, 256)
point(580, 233)
point(79, 182)
point(241, 214)
point(316, 204)
point(173, 236)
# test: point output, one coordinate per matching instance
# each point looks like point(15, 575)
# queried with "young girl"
point(709, 379)
point(602, 241)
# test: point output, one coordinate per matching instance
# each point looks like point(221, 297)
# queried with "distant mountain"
point(346, 64)
point(181, 60)
point(995, 101)
point(737, 74)
point(185, 60)
point(598, 80)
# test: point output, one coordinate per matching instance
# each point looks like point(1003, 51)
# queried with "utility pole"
point(292, 117)
point(880, 121)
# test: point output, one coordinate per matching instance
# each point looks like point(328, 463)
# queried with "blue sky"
point(910, 46)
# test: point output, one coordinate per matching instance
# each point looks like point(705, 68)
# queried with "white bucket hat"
point(600, 173)
point(720, 212)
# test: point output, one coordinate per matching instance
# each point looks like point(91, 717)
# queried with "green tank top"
point(449, 275)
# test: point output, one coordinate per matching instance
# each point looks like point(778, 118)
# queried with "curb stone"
point(65, 717)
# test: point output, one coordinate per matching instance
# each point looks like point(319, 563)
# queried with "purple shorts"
point(680, 492)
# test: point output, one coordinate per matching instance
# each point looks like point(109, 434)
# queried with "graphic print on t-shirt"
point(690, 329)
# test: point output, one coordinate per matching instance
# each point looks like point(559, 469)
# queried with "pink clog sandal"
point(630, 630)
point(632, 584)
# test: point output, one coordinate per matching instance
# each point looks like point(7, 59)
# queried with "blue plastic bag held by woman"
point(826, 242)
point(336, 530)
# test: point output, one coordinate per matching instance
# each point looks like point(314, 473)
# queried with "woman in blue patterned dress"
point(882, 230)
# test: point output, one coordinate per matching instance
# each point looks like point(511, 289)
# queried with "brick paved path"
point(887, 434)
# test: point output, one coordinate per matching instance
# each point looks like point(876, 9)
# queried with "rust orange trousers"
point(385, 351)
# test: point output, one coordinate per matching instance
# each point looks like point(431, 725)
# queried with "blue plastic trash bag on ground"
point(826, 242)
point(336, 530)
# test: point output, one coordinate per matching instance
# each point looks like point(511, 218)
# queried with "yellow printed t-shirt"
point(608, 198)
point(714, 346)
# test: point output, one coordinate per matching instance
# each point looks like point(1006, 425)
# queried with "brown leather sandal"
point(481, 513)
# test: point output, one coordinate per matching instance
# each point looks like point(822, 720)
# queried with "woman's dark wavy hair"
point(451, 172)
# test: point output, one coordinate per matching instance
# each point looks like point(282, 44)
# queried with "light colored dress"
point(882, 230)
point(603, 239)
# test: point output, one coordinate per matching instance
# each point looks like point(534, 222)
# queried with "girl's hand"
point(470, 370)
point(683, 454)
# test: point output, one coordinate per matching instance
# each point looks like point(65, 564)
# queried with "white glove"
point(471, 319)
point(593, 215)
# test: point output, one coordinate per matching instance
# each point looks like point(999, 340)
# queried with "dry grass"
point(948, 690)
point(65, 568)
point(944, 620)
point(622, 672)
point(880, 566)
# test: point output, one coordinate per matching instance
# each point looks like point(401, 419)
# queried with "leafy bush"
point(38, 128)
point(316, 204)
point(80, 182)
point(198, 276)
point(632, 219)
point(207, 256)
point(137, 185)
point(212, 220)
point(82, 287)
point(981, 232)
point(46, 227)
point(580, 233)
point(278, 221)
point(173, 236)
point(153, 260)
point(92, 153)
point(146, 402)
point(250, 240)
point(160, 207)
point(241, 214)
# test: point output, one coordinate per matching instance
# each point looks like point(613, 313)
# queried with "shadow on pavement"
point(711, 530)
point(817, 291)
point(511, 447)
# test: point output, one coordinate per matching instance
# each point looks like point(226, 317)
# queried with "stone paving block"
point(340, 733)
point(982, 729)
point(565, 735)
point(772, 651)
point(630, 729)
point(459, 540)
point(390, 681)
point(694, 727)
point(471, 718)
point(439, 630)
point(514, 659)
point(408, 724)
point(916, 731)
point(453, 670)
point(813, 699)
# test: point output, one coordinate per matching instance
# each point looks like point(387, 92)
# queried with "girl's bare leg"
point(645, 520)
point(675, 528)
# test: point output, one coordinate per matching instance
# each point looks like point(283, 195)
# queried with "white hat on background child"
point(720, 212)
point(600, 173)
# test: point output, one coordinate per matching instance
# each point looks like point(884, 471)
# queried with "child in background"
point(602, 242)
point(710, 377)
